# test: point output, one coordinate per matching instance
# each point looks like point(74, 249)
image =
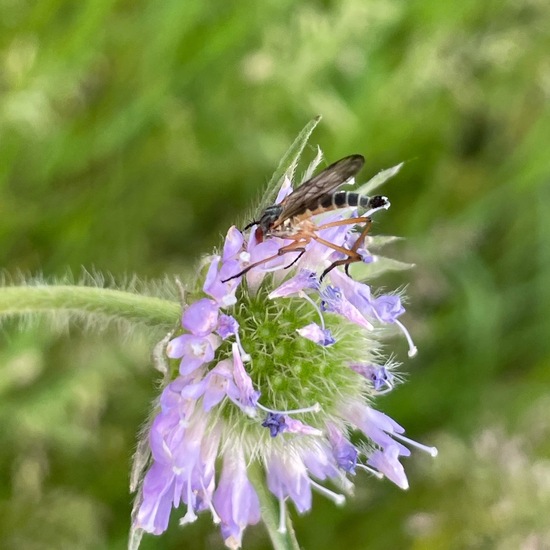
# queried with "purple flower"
point(305, 279)
point(227, 326)
point(275, 422)
point(287, 477)
point(344, 452)
point(235, 499)
point(182, 470)
point(245, 394)
point(316, 334)
point(379, 376)
point(233, 245)
point(194, 351)
point(377, 426)
point(387, 462)
point(222, 292)
point(201, 318)
point(242, 367)
point(387, 308)
point(335, 301)
point(278, 423)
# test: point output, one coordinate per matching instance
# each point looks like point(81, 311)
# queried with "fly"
point(291, 218)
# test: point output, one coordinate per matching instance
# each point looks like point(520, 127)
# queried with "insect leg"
point(352, 255)
point(249, 267)
point(360, 240)
point(297, 246)
point(346, 262)
point(348, 221)
point(302, 252)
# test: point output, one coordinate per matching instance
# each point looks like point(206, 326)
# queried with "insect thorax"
point(269, 217)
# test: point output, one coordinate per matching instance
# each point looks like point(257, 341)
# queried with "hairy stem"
point(270, 514)
point(81, 300)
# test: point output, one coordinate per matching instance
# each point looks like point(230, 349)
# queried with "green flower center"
point(289, 370)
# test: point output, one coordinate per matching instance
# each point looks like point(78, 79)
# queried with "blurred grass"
point(133, 134)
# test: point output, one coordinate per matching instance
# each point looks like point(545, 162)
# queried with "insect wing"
point(306, 197)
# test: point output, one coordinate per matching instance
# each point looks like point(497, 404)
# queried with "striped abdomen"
point(343, 199)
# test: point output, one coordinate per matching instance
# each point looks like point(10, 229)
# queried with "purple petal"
point(247, 396)
point(366, 256)
point(358, 294)
point(171, 395)
point(233, 244)
point(284, 191)
point(275, 422)
point(344, 452)
point(387, 463)
point(211, 274)
point(335, 301)
point(376, 425)
point(304, 279)
point(319, 461)
point(194, 391)
point(267, 249)
point(235, 499)
point(217, 386)
point(193, 350)
point(223, 293)
point(379, 375)
point(287, 477)
point(316, 334)
point(167, 432)
point(298, 427)
point(176, 347)
point(157, 494)
point(227, 326)
point(201, 318)
point(388, 308)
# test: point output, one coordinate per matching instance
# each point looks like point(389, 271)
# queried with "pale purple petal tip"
point(233, 244)
point(387, 463)
point(246, 395)
point(235, 499)
point(316, 334)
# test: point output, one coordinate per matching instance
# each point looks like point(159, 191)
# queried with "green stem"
point(270, 514)
point(114, 304)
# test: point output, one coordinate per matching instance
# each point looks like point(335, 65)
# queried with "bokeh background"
point(132, 134)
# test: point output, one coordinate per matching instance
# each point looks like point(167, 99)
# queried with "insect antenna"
point(253, 222)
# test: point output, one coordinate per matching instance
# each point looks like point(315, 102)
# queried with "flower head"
point(277, 367)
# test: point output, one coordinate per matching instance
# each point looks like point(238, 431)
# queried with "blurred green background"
point(133, 133)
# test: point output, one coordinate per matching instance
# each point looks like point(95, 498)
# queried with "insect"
point(292, 218)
